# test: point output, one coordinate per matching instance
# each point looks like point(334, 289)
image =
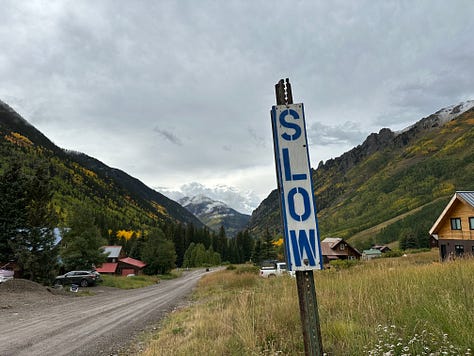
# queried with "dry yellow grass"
point(396, 299)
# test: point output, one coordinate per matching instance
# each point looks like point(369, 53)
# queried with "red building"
point(118, 263)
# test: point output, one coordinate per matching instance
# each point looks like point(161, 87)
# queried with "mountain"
point(393, 179)
point(215, 214)
point(119, 200)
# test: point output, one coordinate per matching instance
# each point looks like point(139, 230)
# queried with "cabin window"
point(471, 223)
point(342, 247)
point(459, 249)
point(455, 223)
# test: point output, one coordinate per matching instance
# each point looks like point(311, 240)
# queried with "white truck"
point(271, 269)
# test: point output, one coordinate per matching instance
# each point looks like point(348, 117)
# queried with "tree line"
point(29, 219)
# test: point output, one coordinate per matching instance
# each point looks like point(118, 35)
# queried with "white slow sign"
point(302, 244)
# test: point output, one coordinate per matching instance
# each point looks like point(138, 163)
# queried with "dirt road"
point(102, 324)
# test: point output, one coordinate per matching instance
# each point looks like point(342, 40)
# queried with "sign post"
point(298, 208)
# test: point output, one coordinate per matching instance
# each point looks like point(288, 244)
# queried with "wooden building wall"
point(462, 211)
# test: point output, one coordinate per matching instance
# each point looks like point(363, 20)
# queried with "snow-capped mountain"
point(441, 117)
point(215, 214)
point(242, 201)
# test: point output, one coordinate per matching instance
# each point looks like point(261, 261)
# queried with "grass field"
point(139, 281)
point(399, 306)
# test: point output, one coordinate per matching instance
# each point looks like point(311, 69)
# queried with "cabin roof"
point(113, 251)
point(467, 197)
point(133, 262)
point(107, 268)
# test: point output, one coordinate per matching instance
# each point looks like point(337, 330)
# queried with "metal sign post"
point(298, 208)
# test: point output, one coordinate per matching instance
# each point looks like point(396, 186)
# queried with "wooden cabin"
point(333, 248)
point(119, 264)
point(454, 229)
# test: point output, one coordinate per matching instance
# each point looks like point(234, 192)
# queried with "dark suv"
point(82, 278)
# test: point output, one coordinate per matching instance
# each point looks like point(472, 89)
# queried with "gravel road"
point(36, 322)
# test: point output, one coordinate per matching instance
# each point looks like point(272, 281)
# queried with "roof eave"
point(441, 217)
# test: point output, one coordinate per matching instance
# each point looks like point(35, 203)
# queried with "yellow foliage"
point(279, 242)
point(18, 139)
point(89, 173)
point(127, 234)
point(159, 208)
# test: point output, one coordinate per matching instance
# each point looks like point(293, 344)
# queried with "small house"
point(130, 265)
point(333, 248)
point(118, 263)
point(382, 248)
point(454, 228)
point(372, 253)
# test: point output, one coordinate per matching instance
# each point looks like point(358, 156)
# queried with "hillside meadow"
point(410, 305)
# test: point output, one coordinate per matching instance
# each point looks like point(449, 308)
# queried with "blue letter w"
point(301, 244)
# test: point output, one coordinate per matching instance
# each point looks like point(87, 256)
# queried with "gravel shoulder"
point(36, 320)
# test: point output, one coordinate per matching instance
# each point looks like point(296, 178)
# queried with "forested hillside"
point(397, 182)
point(43, 187)
point(119, 199)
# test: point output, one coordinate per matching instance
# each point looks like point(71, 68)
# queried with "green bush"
point(394, 253)
point(340, 264)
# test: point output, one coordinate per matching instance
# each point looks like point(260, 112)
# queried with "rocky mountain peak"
point(386, 138)
point(215, 213)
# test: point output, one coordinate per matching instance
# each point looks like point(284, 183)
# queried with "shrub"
point(342, 264)
point(394, 253)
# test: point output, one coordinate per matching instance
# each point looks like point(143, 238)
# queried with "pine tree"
point(34, 244)
point(13, 213)
point(245, 244)
point(268, 248)
point(82, 242)
point(179, 239)
point(158, 253)
point(257, 255)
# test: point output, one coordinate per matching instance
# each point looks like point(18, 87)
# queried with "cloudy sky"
point(178, 93)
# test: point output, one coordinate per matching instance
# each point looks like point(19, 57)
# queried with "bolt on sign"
point(301, 234)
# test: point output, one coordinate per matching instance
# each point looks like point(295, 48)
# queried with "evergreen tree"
point(268, 248)
point(82, 242)
point(213, 258)
point(245, 245)
point(136, 246)
point(158, 253)
point(222, 244)
point(233, 251)
point(13, 213)
point(178, 237)
point(257, 255)
point(34, 245)
point(197, 256)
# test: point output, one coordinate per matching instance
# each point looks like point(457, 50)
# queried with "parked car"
point(82, 278)
point(271, 269)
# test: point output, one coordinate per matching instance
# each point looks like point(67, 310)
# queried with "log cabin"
point(454, 228)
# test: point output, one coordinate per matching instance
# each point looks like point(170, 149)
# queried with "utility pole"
point(298, 209)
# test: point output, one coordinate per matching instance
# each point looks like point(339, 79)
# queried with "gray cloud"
point(346, 133)
point(121, 80)
point(169, 136)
